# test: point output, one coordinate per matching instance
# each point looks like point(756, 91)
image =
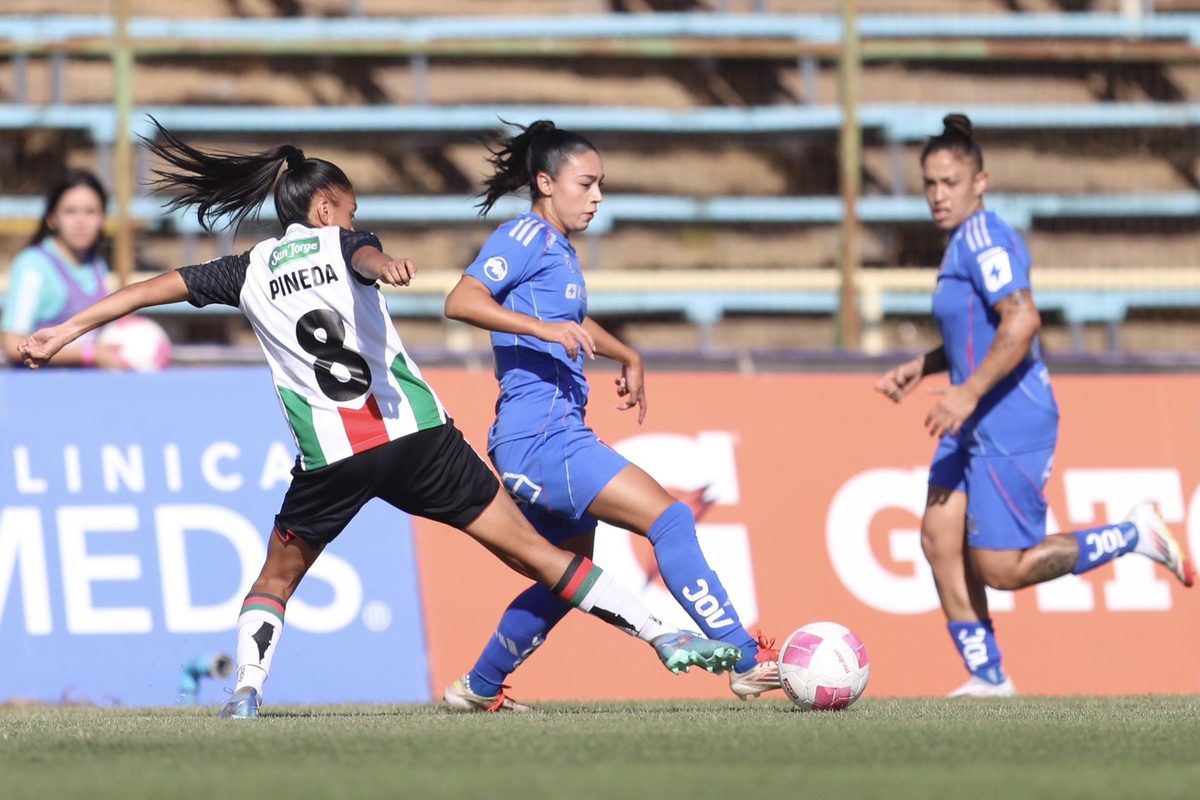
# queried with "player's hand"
point(570, 335)
point(631, 385)
point(398, 272)
point(896, 383)
point(37, 349)
point(955, 407)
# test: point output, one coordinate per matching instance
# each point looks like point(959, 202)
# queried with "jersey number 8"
point(322, 334)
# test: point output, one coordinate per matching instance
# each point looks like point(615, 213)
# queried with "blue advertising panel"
point(134, 515)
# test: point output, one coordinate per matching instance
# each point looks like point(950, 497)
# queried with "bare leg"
point(632, 500)
point(943, 539)
point(286, 565)
point(505, 532)
point(1054, 557)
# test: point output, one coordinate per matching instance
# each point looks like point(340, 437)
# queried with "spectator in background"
point(61, 272)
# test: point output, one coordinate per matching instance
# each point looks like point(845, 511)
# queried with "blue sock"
point(976, 643)
point(522, 629)
point(1100, 545)
point(693, 583)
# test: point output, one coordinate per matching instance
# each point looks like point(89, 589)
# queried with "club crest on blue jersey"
point(996, 268)
point(496, 268)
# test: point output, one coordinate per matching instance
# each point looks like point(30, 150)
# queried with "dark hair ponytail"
point(957, 136)
point(70, 179)
point(541, 147)
point(233, 184)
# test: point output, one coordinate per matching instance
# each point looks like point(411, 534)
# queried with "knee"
point(676, 522)
point(940, 548)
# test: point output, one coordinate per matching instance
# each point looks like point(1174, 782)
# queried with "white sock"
point(258, 630)
point(590, 589)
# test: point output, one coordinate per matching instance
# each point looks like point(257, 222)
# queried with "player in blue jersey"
point(526, 287)
point(985, 513)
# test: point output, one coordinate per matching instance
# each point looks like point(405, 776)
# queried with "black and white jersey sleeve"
point(351, 242)
point(217, 281)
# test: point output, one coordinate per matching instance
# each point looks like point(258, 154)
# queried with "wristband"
point(87, 353)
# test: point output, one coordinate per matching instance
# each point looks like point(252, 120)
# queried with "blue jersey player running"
point(527, 288)
point(985, 514)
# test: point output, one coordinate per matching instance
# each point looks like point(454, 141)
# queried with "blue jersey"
point(985, 262)
point(533, 270)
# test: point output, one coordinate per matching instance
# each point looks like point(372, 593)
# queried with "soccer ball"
point(141, 343)
point(823, 667)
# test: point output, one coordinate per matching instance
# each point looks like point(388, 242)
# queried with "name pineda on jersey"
point(306, 276)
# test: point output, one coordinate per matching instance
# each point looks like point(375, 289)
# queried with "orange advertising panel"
point(809, 490)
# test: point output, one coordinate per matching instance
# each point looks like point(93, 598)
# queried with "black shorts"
point(432, 473)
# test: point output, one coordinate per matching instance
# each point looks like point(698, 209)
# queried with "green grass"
point(1128, 747)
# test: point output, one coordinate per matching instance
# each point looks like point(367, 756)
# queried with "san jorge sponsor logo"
point(294, 251)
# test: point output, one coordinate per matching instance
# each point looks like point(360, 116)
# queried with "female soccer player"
point(527, 288)
point(365, 422)
point(985, 514)
point(61, 272)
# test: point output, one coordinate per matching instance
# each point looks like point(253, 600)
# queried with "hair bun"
point(295, 159)
point(957, 124)
point(540, 127)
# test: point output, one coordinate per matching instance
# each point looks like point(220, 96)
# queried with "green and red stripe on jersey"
point(577, 581)
point(257, 601)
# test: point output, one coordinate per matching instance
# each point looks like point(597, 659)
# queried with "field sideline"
point(1144, 747)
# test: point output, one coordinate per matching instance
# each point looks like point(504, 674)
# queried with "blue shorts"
point(1006, 504)
point(555, 476)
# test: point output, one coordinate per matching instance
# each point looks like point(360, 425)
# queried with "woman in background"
point(61, 272)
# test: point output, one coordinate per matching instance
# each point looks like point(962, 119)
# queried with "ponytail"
point(957, 136)
point(540, 147)
point(234, 185)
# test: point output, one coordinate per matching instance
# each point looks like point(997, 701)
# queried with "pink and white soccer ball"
point(824, 667)
point(141, 343)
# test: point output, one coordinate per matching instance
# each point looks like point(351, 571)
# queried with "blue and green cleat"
point(683, 650)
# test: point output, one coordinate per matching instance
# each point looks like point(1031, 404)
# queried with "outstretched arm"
point(41, 346)
point(471, 302)
point(632, 383)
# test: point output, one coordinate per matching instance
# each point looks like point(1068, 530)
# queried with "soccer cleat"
point(978, 687)
point(243, 705)
point(683, 650)
point(460, 698)
point(1156, 542)
point(762, 677)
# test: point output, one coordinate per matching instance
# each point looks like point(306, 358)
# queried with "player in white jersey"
point(366, 423)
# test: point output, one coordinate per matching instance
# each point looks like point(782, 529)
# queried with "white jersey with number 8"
point(343, 377)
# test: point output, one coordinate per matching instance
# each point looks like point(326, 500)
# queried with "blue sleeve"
point(505, 262)
point(999, 269)
point(28, 284)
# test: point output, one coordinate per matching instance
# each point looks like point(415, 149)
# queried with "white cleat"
point(978, 687)
point(460, 698)
point(762, 677)
point(1156, 543)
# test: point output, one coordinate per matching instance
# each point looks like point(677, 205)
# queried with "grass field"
point(1130, 747)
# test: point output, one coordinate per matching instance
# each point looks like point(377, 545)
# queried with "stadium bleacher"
point(888, 209)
